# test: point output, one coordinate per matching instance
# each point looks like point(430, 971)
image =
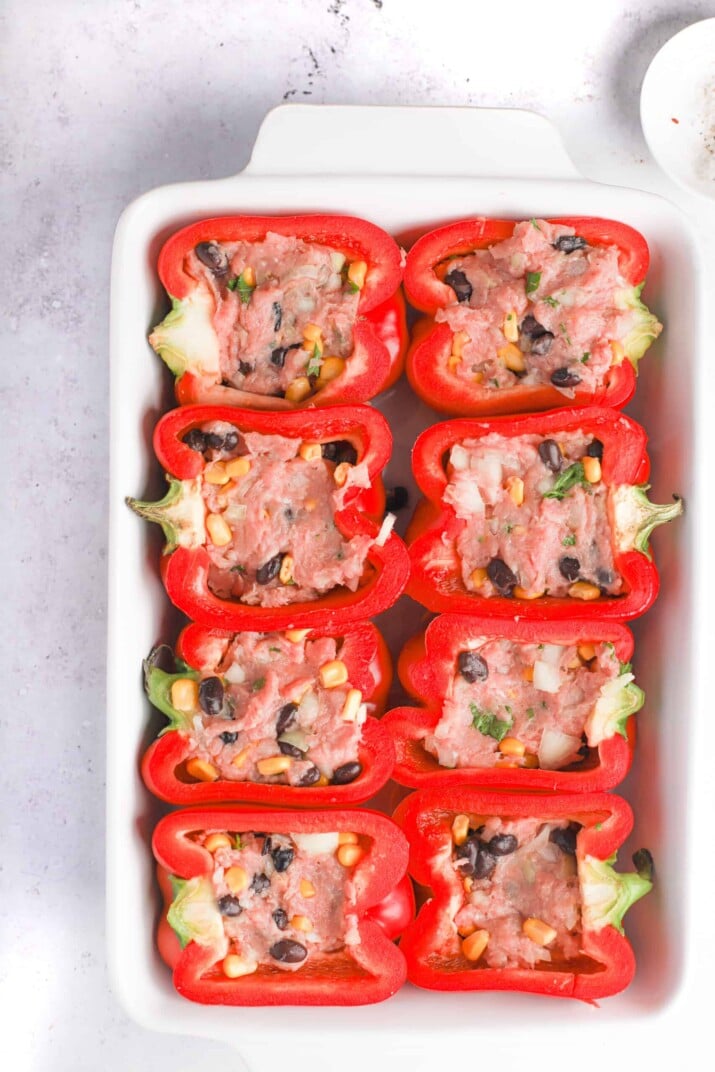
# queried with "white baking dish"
point(408, 170)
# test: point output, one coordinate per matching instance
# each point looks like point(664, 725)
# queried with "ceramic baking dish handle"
point(359, 140)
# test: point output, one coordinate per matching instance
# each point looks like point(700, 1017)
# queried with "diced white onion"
point(385, 530)
point(557, 749)
point(459, 459)
point(547, 678)
point(235, 675)
point(337, 260)
point(235, 511)
point(317, 844)
point(489, 471)
point(308, 708)
point(297, 738)
point(551, 653)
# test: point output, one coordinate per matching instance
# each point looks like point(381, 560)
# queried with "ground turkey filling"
point(537, 516)
point(522, 903)
point(281, 906)
point(521, 704)
point(552, 294)
point(267, 709)
point(277, 540)
point(260, 324)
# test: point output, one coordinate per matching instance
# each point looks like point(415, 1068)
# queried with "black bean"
point(196, 440)
point(457, 280)
point(228, 738)
point(347, 773)
point(339, 450)
point(260, 883)
point(286, 718)
point(287, 749)
point(211, 695)
point(288, 952)
point(550, 455)
point(472, 667)
point(278, 356)
point(501, 577)
point(466, 854)
point(565, 838)
point(282, 858)
point(569, 568)
point(311, 776)
point(213, 256)
point(280, 918)
point(531, 328)
point(502, 844)
point(269, 570)
point(244, 367)
point(595, 449)
point(277, 316)
point(267, 846)
point(396, 499)
point(564, 377)
point(569, 243)
point(541, 345)
point(214, 441)
point(485, 864)
point(230, 440)
point(605, 576)
point(229, 906)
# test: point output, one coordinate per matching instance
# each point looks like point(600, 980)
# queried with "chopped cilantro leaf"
point(550, 301)
point(564, 332)
point(566, 480)
point(532, 281)
point(258, 684)
point(488, 724)
point(271, 648)
point(245, 290)
point(570, 540)
point(534, 224)
point(232, 283)
point(530, 713)
point(494, 383)
point(316, 360)
point(353, 287)
point(585, 358)
point(238, 569)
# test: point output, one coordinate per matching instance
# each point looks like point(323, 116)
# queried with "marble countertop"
point(104, 101)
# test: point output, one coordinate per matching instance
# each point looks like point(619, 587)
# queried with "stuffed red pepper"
point(528, 316)
point(274, 718)
point(282, 908)
point(544, 516)
point(525, 897)
point(276, 312)
point(516, 704)
point(268, 518)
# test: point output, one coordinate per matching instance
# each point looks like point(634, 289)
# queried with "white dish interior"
point(663, 785)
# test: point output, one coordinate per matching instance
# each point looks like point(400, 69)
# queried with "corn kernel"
point(234, 967)
point(531, 761)
point(466, 929)
point(515, 487)
point(285, 574)
point(307, 889)
point(214, 842)
point(348, 837)
point(453, 362)
point(202, 770)
point(524, 593)
point(351, 707)
point(216, 474)
point(348, 855)
point(218, 530)
point(274, 765)
point(587, 652)
point(460, 829)
point(240, 758)
point(309, 505)
point(295, 636)
point(236, 878)
point(357, 272)
point(584, 590)
point(301, 923)
point(510, 327)
point(238, 467)
point(538, 931)
point(322, 781)
point(478, 577)
point(475, 944)
point(459, 341)
point(298, 390)
point(330, 369)
point(512, 746)
point(511, 357)
point(185, 694)
point(310, 452)
point(312, 333)
point(333, 674)
point(248, 276)
point(468, 884)
point(341, 473)
point(591, 469)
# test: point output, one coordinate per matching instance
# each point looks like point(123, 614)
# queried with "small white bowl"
point(678, 107)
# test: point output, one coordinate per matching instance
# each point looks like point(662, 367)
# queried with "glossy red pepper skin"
point(380, 332)
point(431, 944)
point(369, 669)
point(435, 579)
point(431, 345)
point(185, 571)
point(372, 971)
point(427, 665)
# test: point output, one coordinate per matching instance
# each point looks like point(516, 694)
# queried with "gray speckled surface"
point(103, 101)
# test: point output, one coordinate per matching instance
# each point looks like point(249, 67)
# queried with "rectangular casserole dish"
point(373, 163)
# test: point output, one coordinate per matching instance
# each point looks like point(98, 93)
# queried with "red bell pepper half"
point(185, 563)
point(427, 360)
point(427, 666)
point(201, 651)
point(432, 944)
point(187, 342)
point(436, 580)
point(371, 970)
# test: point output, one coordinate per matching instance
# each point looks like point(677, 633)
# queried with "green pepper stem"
point(180, 513)
point(636, 516)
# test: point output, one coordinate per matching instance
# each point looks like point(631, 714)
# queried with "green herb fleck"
point(244, 290)
point(507, 709)
point(316, 360)
point(271, 648)
point(238, 569)
point(550, 301)
point(530, 713)
point(532, 281)
point(534, 224)
point(353, 287)
point(625, 668)
point(544, 704)
point(585, 358)
point(237, 841)
point(258, 684)
point(488, 724)
point(564, 332)
point(508, 527)
point(494, 383)
point(598, 826)
point(232, 283)
point(570, 540)
point(570, 478)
